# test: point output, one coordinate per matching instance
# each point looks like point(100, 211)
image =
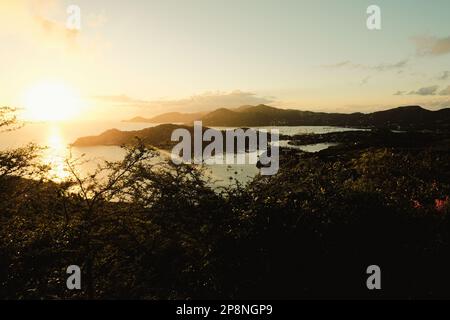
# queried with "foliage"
point(144, 229)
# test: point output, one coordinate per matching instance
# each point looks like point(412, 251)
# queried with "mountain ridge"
point(403, 117)
point(177, 117)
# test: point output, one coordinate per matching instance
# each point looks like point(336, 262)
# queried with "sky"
point(145, 57)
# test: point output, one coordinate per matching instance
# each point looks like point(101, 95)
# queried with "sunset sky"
point(144, 57)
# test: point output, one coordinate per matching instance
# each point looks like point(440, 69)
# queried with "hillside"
point(409, 117)
point(405, 118)
point(158, 136)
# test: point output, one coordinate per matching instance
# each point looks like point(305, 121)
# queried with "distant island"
point(408, 119)
point(158, 137)
point(401, 118)
point(170, 117)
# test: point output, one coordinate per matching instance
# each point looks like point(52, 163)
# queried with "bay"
point(57, 137)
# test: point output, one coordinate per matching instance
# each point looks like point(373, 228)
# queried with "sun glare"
point(55, 154)
point(51, 101)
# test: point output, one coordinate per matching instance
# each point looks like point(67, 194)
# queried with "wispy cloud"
point(57, 31)
point(201, 102)
point(444, 75)
point(391, 66)
point(31, 18)
point(431, 46)
point(425, 91)
point(120, 99)
point(445, 92)
point(379, 67)
point(365, 80)
point(338, 65)
point(44, 22)
point(437, 103)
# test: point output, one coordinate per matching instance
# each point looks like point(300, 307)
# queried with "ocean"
point(57, 137)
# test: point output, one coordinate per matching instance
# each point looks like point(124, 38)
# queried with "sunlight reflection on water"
point(55, 155)
point(56, 137)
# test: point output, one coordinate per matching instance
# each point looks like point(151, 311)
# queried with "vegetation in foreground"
point(159, 231)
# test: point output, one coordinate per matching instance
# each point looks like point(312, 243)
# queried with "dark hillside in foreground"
point(157, 231)
point(308, 232)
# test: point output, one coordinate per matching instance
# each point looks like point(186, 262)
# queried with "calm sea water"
point(57, 137)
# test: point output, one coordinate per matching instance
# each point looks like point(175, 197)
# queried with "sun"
point(51, 101)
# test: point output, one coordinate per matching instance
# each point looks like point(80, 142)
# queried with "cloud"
point(437, 103)
point(431, 45)
point(210, 100)
point(120, 99)
point(43, 24)
point(31, 17)
point(380, 67)
point(203, 102)
point(338, 65)
point(425, 91)
point(444, 75)
point(54, 31)
point(365, 80)
point(445, 92)
point(391, 66)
